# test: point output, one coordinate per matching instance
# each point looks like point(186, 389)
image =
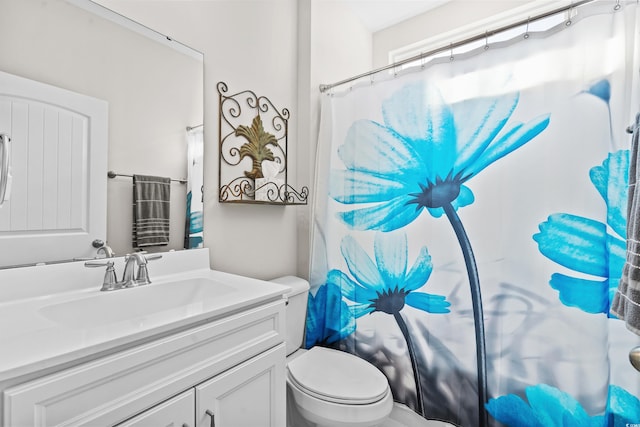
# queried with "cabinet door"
point(175, 412)
point(250, 394)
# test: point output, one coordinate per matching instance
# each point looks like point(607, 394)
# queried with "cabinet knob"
point(213, 417)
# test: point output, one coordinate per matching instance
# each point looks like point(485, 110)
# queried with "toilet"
point(327, 387)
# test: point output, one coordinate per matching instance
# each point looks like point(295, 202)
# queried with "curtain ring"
point(451, 51)
point(568, 22)
point(526, 31)
point(422, 62)
point(617, 6)
point(486, 40)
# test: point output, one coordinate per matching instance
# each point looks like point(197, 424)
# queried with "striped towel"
point(626, 302)
point(151, 196)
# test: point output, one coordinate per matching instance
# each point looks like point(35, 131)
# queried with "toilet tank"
point(296, 311)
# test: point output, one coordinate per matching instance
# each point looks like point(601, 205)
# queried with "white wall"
point(446, 18)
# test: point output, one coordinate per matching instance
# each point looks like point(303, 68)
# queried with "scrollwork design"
point(238, 189)
point(229, 152)
point(251, 127)
point(279, 123)
point(242, 190)
point(291, 196)
point(232, 108)
point(222, 88)
point(268, 192)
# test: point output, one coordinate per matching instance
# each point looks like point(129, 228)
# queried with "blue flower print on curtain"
point(547, 406)
point(420, 158)
point(586, 245)
point(589, 247)
point(328, 318)
point(423, 154)
point(385, 285)
point(623, 408)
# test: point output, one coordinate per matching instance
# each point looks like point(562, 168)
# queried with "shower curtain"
point(469, 227)
point(193, 234)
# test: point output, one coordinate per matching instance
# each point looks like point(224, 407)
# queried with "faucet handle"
point(143, 273)
point(142, 277)
point(110, 281)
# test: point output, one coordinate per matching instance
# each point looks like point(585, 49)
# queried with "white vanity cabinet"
point(175, 412)
point(232, 367)
point(245, 395)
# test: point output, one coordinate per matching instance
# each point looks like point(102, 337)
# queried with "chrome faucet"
point(129, 280)
point(142, 276)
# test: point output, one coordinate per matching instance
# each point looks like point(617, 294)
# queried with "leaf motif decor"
point(257, 146)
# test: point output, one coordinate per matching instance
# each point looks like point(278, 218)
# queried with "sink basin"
point(136, 304)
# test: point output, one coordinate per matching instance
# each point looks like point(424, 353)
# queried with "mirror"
point(152, 84)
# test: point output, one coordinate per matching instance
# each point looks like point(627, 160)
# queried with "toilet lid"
point(336, 376)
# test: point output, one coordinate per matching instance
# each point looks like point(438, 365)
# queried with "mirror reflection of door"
point(54, 200)
point(153, 87)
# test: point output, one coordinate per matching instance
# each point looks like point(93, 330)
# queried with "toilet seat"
point(337, 377)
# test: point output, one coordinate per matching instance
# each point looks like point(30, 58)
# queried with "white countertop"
point(33, 341)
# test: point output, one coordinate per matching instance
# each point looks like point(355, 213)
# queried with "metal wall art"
point(253, 138)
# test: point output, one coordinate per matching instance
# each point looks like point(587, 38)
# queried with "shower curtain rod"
point(326, 87)
point(190, 128)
